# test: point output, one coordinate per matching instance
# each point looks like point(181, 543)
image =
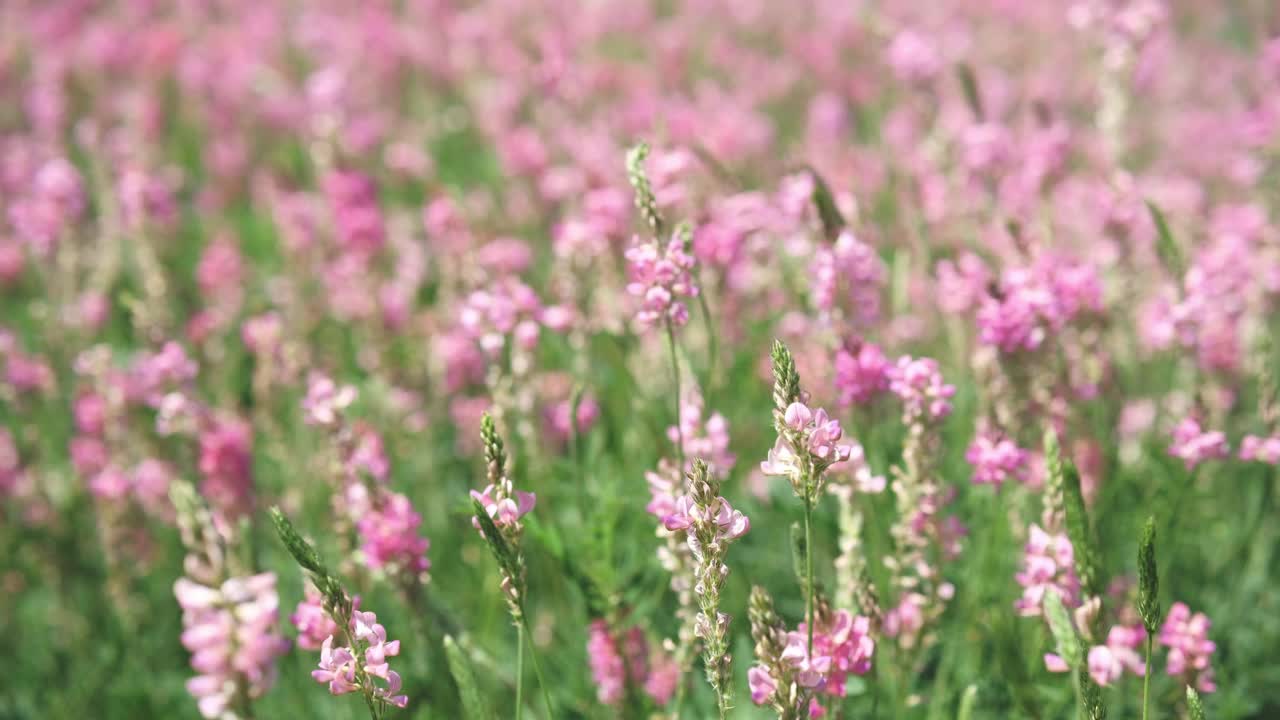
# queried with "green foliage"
point(474, 704)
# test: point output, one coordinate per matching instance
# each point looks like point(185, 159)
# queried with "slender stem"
point(519, 670)
point(537, 671)
point(1146, 679)
point(713, 343)
point(808, 567)
point(675, 371)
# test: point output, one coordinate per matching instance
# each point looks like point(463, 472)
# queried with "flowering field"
point(479, 359)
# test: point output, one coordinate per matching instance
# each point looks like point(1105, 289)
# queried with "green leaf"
point(1064, 632)
point(972, 96)
point(1168, 250)
point(967, 702)
point(824, 202)
point(1078, 530)
point(473, 701)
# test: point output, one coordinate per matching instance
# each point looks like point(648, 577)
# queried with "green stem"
point(675, 371)
point(713, 343)
point(808, 567)
point(1146, 679)
point(519, 670)
point(537, 671)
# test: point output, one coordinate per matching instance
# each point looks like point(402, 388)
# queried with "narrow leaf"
point(473, 701)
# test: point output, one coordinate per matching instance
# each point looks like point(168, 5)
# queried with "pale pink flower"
point(1193, 445)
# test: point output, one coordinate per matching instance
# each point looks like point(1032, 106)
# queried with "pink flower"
point(389, 536)
point(997, 459)
point(861, 374)
point(1048, 564)
point(709, 440)
point(231, 633)
point(729, 524)
point(848, 276)
point(762, 684)
point(341, 667)
point(504, 510)
point(607, 667)
point(1190, 649)
point(918, 383)
point(1261, 449)
point(660, 277)
point(226, 464)
point(813, 441)
point(325, 400)
point(841, 648)
point(313, 623)
point(613, 667)
point(1193, 445)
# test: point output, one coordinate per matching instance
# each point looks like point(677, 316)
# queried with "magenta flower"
point(841, 648)
point(1048, 564)
point(389, 536)
point(1190, 649)
point(226, 465)
point(861, 375)
point(607, 666)
point(313, 622)
point(997, 459)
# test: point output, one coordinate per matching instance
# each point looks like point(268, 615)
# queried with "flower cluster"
point(842, 646)
point(231, 633)
point(1190, 649)
point(313, 622)
point(503, 506)
point(1194, 445)
point(919, 385)
point(997, 459)
point(712, 525)
point(1033, 302)
point(507, 308)
point(352, 668)
point(614, 667)
point(808, 443)
point(1261, 449)
point(1048, 564)
point(861, 374)
point(389, 536)
point(848, 277)
point(228, 617)
point(1107, 663)
point(709, 440)
point(660, 277)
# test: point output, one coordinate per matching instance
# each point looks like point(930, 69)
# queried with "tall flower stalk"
point(1148, 599)
point(353, 658)
point(712, 524)
point(499, 508)
point(228, 616)
point(808, 444)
